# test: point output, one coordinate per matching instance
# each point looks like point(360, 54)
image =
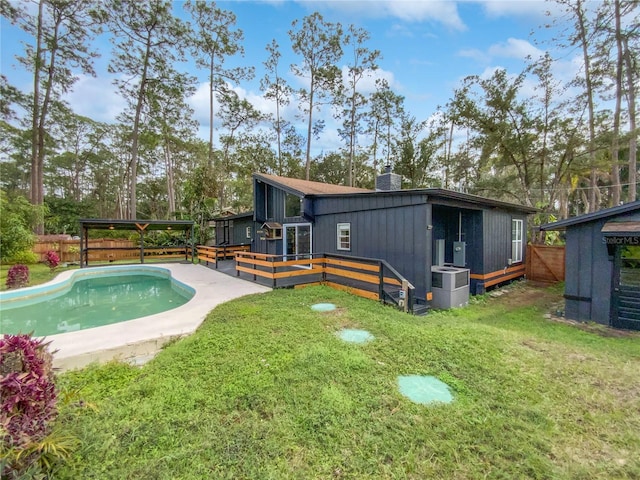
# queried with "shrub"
point(18, 276)
point(24, 256)
point(51, 259)
point(16, 224)
point(27, 405)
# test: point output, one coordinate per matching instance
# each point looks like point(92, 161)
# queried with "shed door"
point(625, 298)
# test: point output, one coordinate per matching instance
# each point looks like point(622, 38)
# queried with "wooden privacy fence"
point(369, 278)
point(213, 254)
point(69, 250)
point(135, 253)
point(545, 263)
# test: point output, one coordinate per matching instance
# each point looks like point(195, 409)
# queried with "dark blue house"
point(234, 229)
point(602, 266)
point(413, 230)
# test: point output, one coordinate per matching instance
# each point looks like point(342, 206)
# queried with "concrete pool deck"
point(138, 340)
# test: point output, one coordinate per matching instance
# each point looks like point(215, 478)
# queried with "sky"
point(427, 48)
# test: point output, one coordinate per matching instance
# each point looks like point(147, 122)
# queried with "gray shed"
point(602, 265)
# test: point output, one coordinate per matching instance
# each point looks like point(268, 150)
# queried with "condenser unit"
point(450, 286)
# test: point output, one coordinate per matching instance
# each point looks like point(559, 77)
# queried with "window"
point(292, 206)
point(344, 236)
point(268, 200)
point(248, 232)
point(516, 240)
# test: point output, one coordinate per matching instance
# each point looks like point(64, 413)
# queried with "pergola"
point(140, 226)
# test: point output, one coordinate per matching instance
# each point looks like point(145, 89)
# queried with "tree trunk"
point(35, 118)
point(171, 192)
point(615, 166)
point(633, 137)
point(133, 178)
point(580, 17)
point(211, 98)
point(307, 168)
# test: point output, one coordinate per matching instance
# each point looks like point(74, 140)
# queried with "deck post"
point(273, 271)
point(381, 282)
point(324, 268)
point(405, 291)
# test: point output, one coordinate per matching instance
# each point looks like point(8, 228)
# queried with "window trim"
point(517, 244)
point(341, 227)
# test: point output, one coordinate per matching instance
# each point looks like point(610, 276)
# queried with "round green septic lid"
point(424, 389)
point(323, 307)
point(355, 336)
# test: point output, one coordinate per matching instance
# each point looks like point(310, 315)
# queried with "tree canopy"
point(566, 148)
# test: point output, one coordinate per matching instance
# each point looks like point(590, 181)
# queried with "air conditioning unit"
point(449, 286)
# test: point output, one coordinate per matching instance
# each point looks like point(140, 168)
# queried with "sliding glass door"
point(297, 241)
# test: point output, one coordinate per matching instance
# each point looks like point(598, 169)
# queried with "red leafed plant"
point(51, 259)
point(27, 401)
point(17, 276)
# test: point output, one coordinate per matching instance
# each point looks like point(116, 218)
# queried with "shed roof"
point(617, 229)
point(591, 217)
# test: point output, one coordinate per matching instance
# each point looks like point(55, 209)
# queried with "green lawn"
point(266, 390)
point(38, 273)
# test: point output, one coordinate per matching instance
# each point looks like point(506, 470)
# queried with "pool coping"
point(139, 339)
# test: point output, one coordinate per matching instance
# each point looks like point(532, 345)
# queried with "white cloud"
point(96, 98)
point(524, 8)
point(439, 11)
point(444, 12)
point(515, 48)
point(475, 54)
point(367, 84)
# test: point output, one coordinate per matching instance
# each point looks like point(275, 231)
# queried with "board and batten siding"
point(589, 271)
point(368, 201)
point(497, 239)
point(586, 251)
point(398, 235)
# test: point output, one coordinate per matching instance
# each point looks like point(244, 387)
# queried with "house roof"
point(590, 217)
point(319, 189)
point(306, 187)
point(232, 217)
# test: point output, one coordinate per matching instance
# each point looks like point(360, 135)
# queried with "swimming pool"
point(90, 298)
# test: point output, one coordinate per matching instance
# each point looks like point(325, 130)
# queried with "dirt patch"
point(525, 293)
point(550, 300)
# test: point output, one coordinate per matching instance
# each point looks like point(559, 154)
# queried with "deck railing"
point(365, 277)
point(222, 252)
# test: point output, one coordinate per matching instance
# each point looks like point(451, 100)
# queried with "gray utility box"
point(450, 286)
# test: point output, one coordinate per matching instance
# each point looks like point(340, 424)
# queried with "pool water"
point(99, 299)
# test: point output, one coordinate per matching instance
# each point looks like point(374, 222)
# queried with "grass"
point(265, 389)
point(38, 273)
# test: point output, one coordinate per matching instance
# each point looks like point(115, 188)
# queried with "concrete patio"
point(139, 340)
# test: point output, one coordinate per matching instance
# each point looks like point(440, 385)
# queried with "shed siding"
point(589, 271)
